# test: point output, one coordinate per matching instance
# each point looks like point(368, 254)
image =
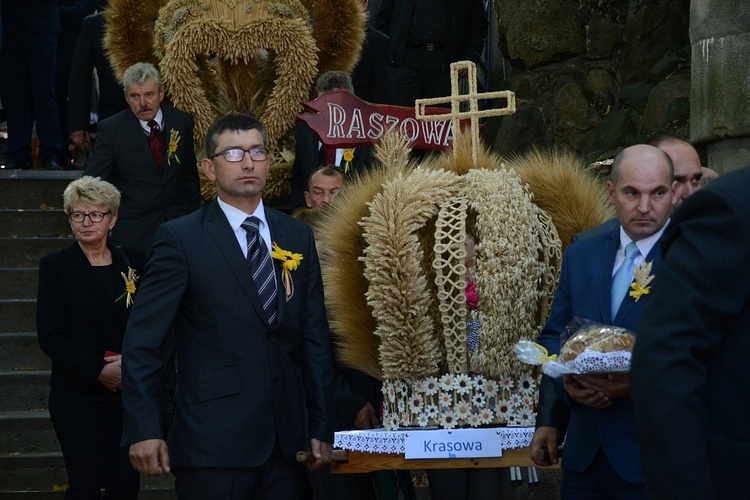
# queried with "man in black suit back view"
point(689, 373)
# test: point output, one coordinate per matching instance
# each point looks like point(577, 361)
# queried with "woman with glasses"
point(83, 301)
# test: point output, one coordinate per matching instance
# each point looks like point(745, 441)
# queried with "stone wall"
point(591, 75)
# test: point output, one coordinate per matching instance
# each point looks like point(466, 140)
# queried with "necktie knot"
point(631, 250)
point(251, 224)
point(153, 125)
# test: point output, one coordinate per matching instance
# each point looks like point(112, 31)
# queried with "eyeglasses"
point(79, 217)
point(237, 154)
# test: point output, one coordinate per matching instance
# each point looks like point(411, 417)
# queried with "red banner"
point(343, 120)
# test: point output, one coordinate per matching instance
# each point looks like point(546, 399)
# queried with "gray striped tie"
point(259, 261)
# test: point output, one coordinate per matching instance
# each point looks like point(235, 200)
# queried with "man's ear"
point(611, 192)
point(308, 201)
point(208, 169)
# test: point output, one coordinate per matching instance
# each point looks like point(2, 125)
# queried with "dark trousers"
point(420, 75)
point(275, 480)
point(27, 74)
point(469, 484)
point(89, 428)
point(600, 481)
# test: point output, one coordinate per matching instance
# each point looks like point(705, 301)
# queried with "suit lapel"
point(605, 275)
point(629, 304)
point(133, 126)
point(220, 231)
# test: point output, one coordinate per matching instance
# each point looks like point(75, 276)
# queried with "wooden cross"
point(473, 97)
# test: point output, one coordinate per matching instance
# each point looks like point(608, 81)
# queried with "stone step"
point(29, 476)
point(26, 252)
point(34, 189)
point(27, 223)
point(18, 283)
point(18, 315)
point(27, 431)
point(21, 352)
point(23, 390)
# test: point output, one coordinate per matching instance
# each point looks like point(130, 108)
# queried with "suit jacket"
point(466, 34)
point(30, 16)
point(89, 55)
point(690, 379)
point(306, 161)
point(372, 78)
point(604, 227)
point(150, 195)
point(77, 317)
point(584, 291)
point(241, 384)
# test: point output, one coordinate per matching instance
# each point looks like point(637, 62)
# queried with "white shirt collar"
point(236, 217)
point(646, 244)
point(159, 119)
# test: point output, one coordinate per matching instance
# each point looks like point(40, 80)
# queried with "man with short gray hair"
point(147, 153)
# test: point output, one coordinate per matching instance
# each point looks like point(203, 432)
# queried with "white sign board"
point(456, 443)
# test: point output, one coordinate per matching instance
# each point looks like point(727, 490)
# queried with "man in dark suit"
point(89, 55)
point(310, 153)
point(689, 371)
point(601, 456)
point(252, 372)
point(27, 75)
point(147, 152)
point(425, 38)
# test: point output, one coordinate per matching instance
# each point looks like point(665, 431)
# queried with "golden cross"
point(473, 97)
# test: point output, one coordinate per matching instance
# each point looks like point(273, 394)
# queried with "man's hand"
point(545, 438)
point(612, 385)
point(111, 375)
point(583, 395)
point(150, 457)
point(81, 139)
point(366, 418)
point(321, 452)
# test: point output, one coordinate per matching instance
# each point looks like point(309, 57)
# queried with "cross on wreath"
point(473, 97)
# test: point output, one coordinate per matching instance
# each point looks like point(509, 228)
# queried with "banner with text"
point(343, 120)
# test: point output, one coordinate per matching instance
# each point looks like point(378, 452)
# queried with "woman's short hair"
point(91, 191)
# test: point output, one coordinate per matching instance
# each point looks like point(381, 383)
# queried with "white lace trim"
point(385, 441)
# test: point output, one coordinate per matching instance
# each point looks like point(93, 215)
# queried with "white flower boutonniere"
point(643, 277)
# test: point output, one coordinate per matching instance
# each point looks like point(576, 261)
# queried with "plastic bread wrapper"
point(588, 347)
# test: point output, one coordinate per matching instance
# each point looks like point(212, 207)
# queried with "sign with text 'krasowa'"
point(343, 120)
point(456, 443)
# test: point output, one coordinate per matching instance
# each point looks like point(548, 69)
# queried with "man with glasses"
point(255, 379)
point(146, 151)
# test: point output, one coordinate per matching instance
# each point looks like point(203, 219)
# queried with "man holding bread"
point(602, 459)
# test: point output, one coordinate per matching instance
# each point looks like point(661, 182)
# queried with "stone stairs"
point(32, 224)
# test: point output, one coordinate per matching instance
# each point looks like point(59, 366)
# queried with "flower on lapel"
point(130, 280)
point(640, 285)
point(174, 141)
point(289, 262)
point(348, 157)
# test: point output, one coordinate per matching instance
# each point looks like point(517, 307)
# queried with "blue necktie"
point(259, 261)
point(623, 277)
